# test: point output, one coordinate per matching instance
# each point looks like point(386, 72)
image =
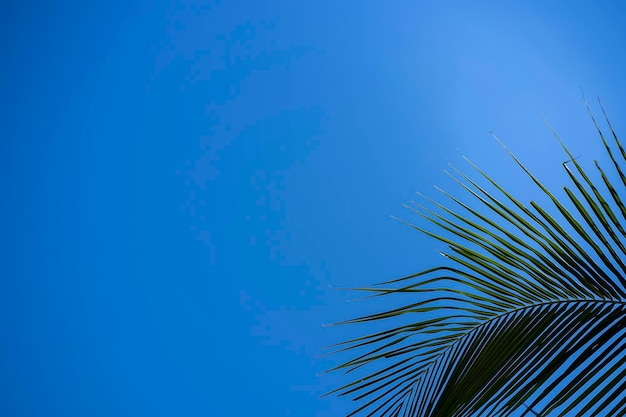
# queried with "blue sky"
point(183, 180)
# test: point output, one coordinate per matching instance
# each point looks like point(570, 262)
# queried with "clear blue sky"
point(182, 180)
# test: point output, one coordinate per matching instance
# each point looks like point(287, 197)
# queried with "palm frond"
point(527, 316)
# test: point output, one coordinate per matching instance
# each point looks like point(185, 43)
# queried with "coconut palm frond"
point(527, 316)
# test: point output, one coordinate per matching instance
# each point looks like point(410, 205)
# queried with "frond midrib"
point(529, 307)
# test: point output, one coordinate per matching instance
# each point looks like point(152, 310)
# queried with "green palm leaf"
point(527, 318)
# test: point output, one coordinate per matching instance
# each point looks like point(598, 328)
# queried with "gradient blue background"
point(181, 181)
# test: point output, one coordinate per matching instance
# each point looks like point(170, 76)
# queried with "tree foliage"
point(527, 316)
